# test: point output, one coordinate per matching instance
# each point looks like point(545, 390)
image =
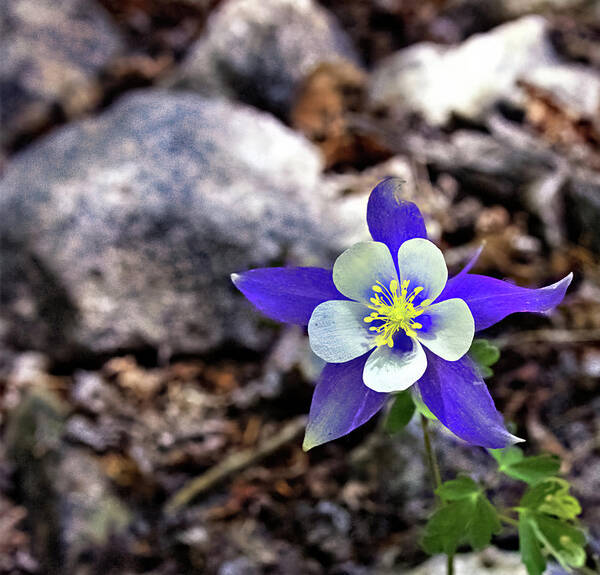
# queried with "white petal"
point(359, 268)
point(422, 262)
point(451, 331)
point(337, 331)
point(389, 369)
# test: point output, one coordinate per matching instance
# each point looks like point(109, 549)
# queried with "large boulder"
point(437, 81)
point(121, 232)
point(52, 54)
point(258, 51)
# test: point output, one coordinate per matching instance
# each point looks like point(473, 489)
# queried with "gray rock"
point(437, 82)
point(583, 207)
point(122, 231)
point(258, 51)
point(491, 165)
point(81, 430)
point(52, 54)
point(329, 524)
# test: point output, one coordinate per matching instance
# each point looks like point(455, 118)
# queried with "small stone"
point(239, 566)
point(340, 518)
point(79, 429)
point(91, 392)
point(196, 536)
point(489, 562)
point(591, 363)
point(258, 51)
point(53, 52)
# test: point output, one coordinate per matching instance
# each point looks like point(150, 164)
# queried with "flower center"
point(394, 311)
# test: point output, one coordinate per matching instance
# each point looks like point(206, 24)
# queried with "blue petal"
point(287, 294)
point(471, 262)
point(341, 402)
point(491, 300)
point(457, 395)
point(391, 219)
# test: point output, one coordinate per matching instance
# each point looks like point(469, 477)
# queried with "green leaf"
point(551, 496)
point(468, 517)
point(513, 463)
point(400, 413)
point(506, 456)
point(544, 514)
point(564, 542)
point(484, 354)
point(480, 531)
point(458, 488)
point(533, 469)
point(445, 529)
point(529, 546)
point(485, 371)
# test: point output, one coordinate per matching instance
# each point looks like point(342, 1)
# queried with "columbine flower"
point(387, 318)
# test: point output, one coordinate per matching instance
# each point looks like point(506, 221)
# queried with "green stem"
point(450, 565)
point(436, 478)
point(432, 463)
point(508, 520)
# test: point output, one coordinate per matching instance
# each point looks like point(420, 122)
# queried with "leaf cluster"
point(547, 526)
point(547, 512)
point(466, 517)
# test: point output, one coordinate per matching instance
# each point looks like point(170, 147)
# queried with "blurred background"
point(149, 148)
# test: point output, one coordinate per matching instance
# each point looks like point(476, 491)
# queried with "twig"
point(233, 463)
point(432, 463)
point(436, 478)
point(552, 336)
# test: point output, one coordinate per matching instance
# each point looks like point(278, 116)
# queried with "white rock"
point(489, 562)
point(466, 80)
point(574, 88)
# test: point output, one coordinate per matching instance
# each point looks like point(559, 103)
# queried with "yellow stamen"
point(395, 310)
